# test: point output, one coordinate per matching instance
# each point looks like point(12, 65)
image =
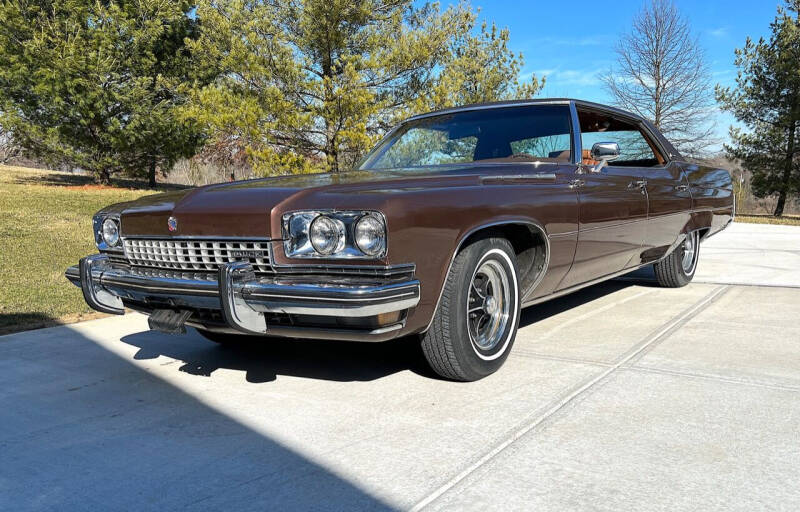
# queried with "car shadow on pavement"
point(85, 429)
point(263, 360)
point(537, 313)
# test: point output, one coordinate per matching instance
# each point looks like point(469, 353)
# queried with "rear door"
point(670, 203)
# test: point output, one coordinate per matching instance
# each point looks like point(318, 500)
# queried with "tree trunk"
point(333, 155)
point(103, 177)
point(781, 203)
point(787, 171)
point(151, 174)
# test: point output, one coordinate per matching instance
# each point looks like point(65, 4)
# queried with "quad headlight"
point(370, 235)
point(110, 232)
point(335, 234)
point(326, 235)
point(107, 232)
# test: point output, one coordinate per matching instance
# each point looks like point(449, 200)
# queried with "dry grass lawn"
point(791, 220)
point(46, 226)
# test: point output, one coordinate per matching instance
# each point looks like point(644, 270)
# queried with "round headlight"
point(370, 235)
point(110, 232)
point(326, 235)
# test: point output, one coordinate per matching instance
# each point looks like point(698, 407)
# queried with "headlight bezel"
point(97, 222)
point(296, 227)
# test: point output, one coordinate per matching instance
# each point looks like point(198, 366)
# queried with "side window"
point(551, 146)
point(635, 149)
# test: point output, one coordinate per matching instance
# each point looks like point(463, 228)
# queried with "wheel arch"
point(531, 249)
point(698, 221)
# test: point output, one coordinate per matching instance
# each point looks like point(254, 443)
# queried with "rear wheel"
point(476, 322)
point(678, 268)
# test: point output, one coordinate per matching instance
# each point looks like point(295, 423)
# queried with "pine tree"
point(767, 101)
point(95, 85)
point(310, 84)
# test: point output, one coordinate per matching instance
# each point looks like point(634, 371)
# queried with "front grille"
point(197, 254)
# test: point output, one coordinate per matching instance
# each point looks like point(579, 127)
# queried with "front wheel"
point(678, 268)
point(476, 322)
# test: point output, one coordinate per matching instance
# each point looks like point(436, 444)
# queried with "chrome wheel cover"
point(488, 305)
point(690, 253)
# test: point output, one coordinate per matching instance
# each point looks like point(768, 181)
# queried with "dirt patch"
point(95, 187)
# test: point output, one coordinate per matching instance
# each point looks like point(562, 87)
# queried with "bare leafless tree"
point(8, 147)
point(661, 74)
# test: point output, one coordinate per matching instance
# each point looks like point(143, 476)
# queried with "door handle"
point(682, 188)
point(637, 184)
point(576, 183)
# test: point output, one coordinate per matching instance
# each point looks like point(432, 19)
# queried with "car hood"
point(243, 209)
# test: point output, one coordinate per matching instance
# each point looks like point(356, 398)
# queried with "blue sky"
point(572, 41)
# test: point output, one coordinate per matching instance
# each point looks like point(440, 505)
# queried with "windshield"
point(534, 133)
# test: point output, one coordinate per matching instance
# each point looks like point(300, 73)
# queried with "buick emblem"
point(172, 224)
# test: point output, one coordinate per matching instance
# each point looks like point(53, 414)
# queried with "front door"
point(612, 221)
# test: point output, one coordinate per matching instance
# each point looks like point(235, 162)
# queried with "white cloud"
point(718, 32)
point(570, 77)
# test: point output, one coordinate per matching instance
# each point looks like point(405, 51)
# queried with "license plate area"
point(169, 321)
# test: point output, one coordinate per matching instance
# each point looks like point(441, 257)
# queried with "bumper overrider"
point(318, 306)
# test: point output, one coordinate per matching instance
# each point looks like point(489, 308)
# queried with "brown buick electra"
point(456, 221)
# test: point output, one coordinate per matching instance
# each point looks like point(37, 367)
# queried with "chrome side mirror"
point(604, 152)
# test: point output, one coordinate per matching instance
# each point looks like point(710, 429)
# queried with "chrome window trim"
point(476, 163)
point(630, 118)
point(577, 142)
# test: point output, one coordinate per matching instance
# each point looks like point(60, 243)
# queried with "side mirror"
point(607, 151)
point(604, 152)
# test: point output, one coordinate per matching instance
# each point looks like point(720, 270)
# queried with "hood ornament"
point(172, 224)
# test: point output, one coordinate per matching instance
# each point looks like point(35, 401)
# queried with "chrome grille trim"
point(197, 254)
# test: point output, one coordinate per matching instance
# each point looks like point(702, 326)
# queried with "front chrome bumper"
point(242, 297)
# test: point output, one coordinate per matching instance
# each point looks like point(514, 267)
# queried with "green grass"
point(769, 219)
point(46, 226)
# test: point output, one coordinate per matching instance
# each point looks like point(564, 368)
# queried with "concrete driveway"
point(622, 396)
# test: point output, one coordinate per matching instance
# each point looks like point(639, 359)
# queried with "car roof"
point(534, 101)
